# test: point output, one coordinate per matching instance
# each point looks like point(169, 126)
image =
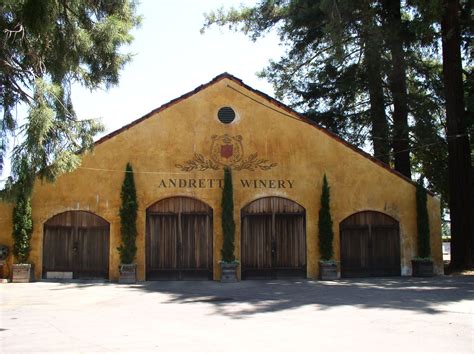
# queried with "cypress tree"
point(326, 234)
point(128, 217)
point(228, 224)
point(22, 218)
point(422, 219)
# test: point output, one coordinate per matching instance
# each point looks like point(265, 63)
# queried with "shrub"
point(22, 215)
point(326, 234)
point(228, 224)
point(128, 218)
point(422, 219)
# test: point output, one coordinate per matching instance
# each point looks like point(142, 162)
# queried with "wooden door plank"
point(57, 249)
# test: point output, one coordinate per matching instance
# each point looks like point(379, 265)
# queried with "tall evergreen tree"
point(461, 194)
point(228, 223)
point(372, 42)
point(337, 69)
point(45, 46)
point(326, 234)
point(128, 217)
point(423, 223)
point(398, 87)
point(321, 72)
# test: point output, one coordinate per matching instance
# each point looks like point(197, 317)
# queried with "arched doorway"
point(370, 245)
point(179, 240)
point(273, 242)
point(76, 242)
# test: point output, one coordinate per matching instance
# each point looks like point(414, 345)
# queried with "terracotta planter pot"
point(327, 271)
point(422, 268)
point(23, 273)
point(3, 272)
point(228, 272)
point(128, 273)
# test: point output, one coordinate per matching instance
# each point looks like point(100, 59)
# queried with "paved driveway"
point(397, 314)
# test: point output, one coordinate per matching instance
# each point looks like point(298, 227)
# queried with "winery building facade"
point(278, 160)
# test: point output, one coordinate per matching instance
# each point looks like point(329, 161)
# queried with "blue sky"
point(172, 57)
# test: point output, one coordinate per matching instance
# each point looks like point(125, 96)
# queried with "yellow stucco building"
point(278, 160)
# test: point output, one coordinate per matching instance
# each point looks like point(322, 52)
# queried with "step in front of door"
point(58, 275)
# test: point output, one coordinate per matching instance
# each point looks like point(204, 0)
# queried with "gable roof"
point(291, 113)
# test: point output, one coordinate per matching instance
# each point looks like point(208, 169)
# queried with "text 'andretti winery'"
point(205, 183)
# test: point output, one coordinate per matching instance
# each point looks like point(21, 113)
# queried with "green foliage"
point(325, 231)
point(228, 223)
point(45, 46)
point(426, 102)
point(324, 72)
point(423, 223)
point(128, 218)
point(22, 219)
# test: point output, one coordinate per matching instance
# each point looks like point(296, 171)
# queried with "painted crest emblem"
point(226, 150)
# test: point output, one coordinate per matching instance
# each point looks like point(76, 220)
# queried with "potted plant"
point(23, 272)
point(128, 228)
point(422, 265)
point(228, 263)
point(4, 251)
point(327, 265)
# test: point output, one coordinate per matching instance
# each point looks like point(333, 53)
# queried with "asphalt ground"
point(366, 315)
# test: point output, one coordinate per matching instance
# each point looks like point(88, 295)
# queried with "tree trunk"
point(398, 87)
point(372, 51)
point(459, 159)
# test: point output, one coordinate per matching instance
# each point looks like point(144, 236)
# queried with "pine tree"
point(128, 218)
point(460, 179)
point(45, 47)
point(393, 24)
point(326, 234)
point(228, 224)
point(337, 52)
point(422, 219)
point(332, 70)
point(22, 218)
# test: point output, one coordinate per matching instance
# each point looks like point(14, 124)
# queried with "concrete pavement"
point(388, 314)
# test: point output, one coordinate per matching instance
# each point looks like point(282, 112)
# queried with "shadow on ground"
point(247, 298)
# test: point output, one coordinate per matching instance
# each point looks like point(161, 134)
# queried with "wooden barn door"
point(196, 244)
point(256, 246)
point(370, 245)
point(92, 252)
point(179, 240)
point(290, 245)
point(77, 242)
point(58, 249)
point(161, 251)
point(273, 239)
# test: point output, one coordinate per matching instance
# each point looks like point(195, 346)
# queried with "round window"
point(226, 115)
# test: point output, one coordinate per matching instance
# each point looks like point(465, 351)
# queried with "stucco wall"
point(172, 136)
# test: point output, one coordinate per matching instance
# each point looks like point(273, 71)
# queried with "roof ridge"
point(226, 75)
point(167, 105)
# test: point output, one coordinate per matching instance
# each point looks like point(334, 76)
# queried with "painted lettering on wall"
point(203, 183)
point(267, 183)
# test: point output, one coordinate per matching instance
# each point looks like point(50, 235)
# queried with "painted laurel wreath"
point(251, 163)
point(199, 162)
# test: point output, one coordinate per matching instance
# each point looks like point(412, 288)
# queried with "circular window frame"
point(225, 120)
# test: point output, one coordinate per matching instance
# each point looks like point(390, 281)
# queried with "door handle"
point(273, 247)
point(75, 246)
